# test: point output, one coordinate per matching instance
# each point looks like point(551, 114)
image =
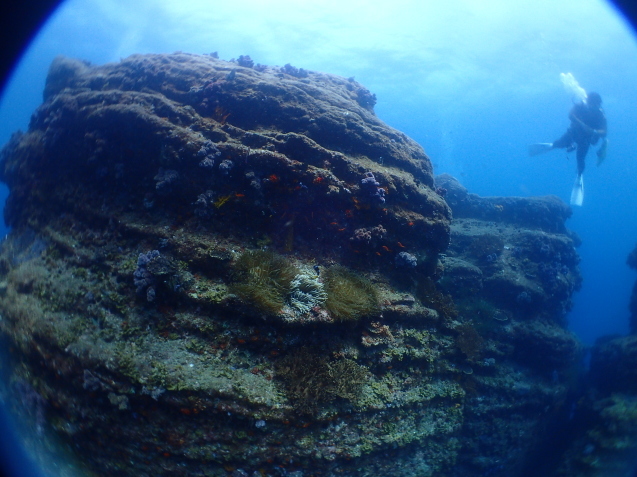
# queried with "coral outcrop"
point(511, 269)
point(221, 268)
point(606, 414)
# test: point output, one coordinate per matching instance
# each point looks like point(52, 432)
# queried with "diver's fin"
point(540, 148)
point(577, 194)
point(601, 152)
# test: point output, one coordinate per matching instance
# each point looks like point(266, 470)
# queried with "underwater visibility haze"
point(307, 238)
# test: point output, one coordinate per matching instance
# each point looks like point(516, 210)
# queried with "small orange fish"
point(400, 245)
point(386, 248)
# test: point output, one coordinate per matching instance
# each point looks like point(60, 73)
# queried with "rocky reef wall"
point(606, 414)
point(220, 268)
point(511, 268)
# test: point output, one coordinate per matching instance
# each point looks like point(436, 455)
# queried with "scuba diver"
point(588, 126)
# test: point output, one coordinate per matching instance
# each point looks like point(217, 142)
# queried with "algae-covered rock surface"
point(606, 414)
point(219, 268)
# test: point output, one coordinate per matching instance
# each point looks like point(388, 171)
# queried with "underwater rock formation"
point(515, 251)
point(221, 269)
point(601, 437)
point(511, 269)
point(606, 414)
point(547, 213)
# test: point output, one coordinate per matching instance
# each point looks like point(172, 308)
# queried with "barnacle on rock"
point(349, 295)
point(263, 279)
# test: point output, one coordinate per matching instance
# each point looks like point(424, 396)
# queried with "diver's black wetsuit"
point(581, 136)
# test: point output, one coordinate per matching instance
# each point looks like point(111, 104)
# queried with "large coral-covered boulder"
point(192, 138)
point(220, 268)
point(201, 256)
point(512, 269)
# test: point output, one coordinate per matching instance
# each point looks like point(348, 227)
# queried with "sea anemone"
point(306, 292)
point(349, 295)
point(263, 279)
